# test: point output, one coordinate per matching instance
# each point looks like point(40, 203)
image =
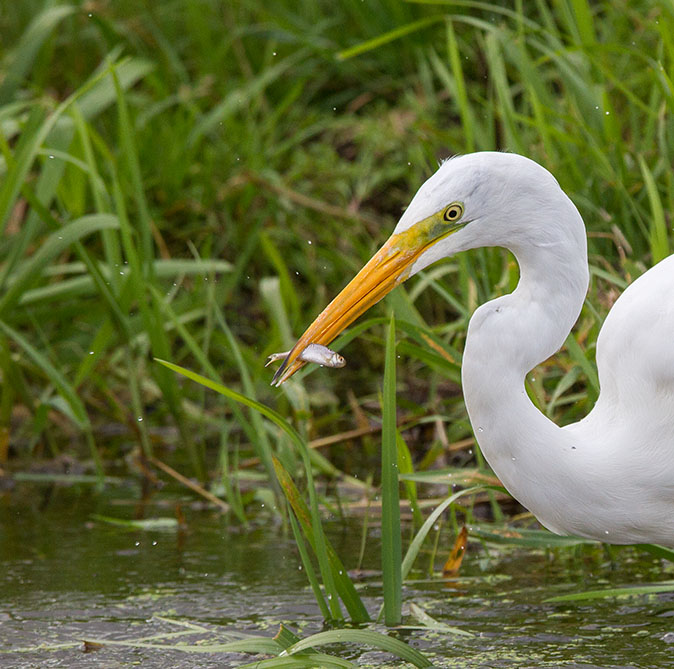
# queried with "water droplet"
point(605, 531)
point(91, 352)
point(607, 113)
point(154, 543)
point(480, 429)
point(513, 458)
point(137, 543)
point(51, 157)
point(308, 241)
point(273, 53)
point(300, 567)
point(140, 419)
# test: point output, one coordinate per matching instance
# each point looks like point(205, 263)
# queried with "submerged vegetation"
point(192, 181)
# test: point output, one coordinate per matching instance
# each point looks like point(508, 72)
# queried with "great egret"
point(608, 477)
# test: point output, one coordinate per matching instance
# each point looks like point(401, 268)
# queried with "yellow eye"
point(453, 213)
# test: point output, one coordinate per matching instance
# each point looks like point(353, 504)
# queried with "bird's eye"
point(453, 213)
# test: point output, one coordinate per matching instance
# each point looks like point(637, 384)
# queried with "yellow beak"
point(390, 266)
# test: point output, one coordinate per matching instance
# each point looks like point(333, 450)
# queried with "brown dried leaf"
point(451, 567)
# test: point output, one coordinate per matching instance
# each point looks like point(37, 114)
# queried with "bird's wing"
point(635, 348)
point(632, 423)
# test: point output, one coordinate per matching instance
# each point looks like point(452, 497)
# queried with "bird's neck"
point(507, 338)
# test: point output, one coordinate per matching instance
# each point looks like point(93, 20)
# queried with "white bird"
point(608, 477)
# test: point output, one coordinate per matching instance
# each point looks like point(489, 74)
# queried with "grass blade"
point(300, 661)
point(658, 551)
point(365, 637)
point(631, 591)
point(467, 118)
point(391, 541)
point(78, 412)
point(387, 37)
point(19, 61)
point(415, 545)
point(530, 538)
point(344, 586)
point(31, 270)
point(328, 561)
point(658, 238)
point(578, 356)
point(308, 567)
point(34, 140)
point(429, 622)
point(405, 467)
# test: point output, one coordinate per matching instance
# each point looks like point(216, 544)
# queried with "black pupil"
point(451, 213)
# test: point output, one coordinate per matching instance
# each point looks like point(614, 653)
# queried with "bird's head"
point(473, 200)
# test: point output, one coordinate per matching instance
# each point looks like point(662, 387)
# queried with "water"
point(65, 578)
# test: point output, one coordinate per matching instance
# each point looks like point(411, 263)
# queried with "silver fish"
point(321, 355)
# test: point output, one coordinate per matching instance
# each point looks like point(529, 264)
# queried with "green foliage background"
point(194, 179)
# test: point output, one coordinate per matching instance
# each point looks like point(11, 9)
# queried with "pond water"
point(65, 578)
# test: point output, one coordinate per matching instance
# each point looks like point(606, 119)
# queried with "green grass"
point(391, 549)
point(285, 648)
point(194, 180)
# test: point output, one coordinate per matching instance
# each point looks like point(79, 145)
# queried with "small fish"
point(321, 355)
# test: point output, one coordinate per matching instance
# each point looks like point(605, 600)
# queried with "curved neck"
point(508, 337)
